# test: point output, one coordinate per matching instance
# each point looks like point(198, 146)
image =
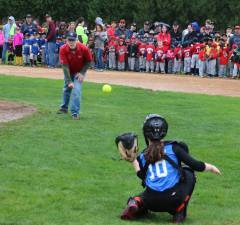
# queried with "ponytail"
point(154, 152)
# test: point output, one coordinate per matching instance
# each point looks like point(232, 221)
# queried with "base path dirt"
point(176, 83)
point(13, 111)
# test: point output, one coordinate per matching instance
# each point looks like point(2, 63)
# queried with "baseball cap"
point(28, 16)
point(72, 36)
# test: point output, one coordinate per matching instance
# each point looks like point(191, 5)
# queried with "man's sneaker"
point(62, 111)
point(75, 117)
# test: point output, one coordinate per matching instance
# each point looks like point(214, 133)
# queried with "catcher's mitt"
point(127, 144)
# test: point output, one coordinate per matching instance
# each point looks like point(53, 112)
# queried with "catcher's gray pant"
point(142, 63)
point(26, 59)
point(177, 65)
point(222, 70)
point(170, 66)
point(131, 63)
point(230, 68)
point(202, 68)
point(150, 66)
point(235, 70)
point(211, 67)
point(187, 65)
point(121, 66)
point(112, 60)
point(194, 61)
point(160, 67)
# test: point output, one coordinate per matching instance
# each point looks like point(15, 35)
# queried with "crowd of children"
point(204, 58)
point(209, 56)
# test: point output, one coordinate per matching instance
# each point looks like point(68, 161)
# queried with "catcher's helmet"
point(155, 127)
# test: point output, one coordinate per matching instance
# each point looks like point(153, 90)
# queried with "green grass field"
point(54, 170)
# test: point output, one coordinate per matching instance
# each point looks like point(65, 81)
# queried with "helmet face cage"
point(155, 127)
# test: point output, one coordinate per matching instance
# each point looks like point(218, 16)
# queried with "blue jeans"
point(99, 57)
point(51, 46)
point(4, 52)
point(75, 94)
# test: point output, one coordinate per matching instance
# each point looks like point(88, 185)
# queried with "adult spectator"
point(82, 37)
point(165, 37)
point(229, 32)
point(29, 27)
point(189, 35)
point(235, 39)
point(100, 36)
point(51, 41)
point(132, 31)
point(111, 29)
point(157, 27)
point(122, 31)
point(71, 27)
point(75, 59)
point(145, 29)
point(9, 30)
point(61, 30)
point(176, 34)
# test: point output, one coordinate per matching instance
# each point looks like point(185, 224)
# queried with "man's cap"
point(72, 36)
point(28, 16)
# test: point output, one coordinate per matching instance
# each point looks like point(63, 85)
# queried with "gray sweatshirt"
point(99, 39)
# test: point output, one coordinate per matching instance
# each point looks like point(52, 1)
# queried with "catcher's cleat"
point(181, 212)
point(130, 211)
point(179, 217)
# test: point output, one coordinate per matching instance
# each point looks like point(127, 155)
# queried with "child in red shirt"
point(142, 56)
point(223, 61)
point(160, 56)
point(112, 48)
point(212, 60)
point(177, 59)
point(150, 53)
point(121, 55)
point(187, 54)
point(202, 58)
point(170, 58)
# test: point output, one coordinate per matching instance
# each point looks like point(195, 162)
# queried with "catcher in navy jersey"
point(168, 184)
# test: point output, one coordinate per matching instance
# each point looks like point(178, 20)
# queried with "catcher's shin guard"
point(133, 208)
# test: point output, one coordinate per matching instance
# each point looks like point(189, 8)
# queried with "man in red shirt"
point(75, 59)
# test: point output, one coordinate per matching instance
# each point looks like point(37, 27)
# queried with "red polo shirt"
point(75, 59)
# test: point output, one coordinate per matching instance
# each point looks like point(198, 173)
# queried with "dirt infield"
point(13, 111)
point(177, 83)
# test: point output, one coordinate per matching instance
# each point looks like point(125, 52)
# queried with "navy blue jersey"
point(161, 175)
point(26, 46)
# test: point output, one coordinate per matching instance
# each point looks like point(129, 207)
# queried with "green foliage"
point(224, 12)
point(54, 170)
